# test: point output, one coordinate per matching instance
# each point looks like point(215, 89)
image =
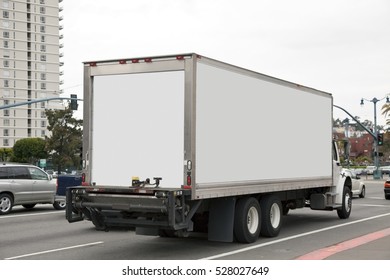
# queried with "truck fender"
point(344, 180)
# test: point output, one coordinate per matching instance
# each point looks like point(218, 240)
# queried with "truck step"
point(330, 194)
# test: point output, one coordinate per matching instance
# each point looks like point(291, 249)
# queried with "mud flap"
point(221, 220)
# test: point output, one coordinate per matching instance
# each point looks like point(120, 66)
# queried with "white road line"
point(55, 250)
point(373, 205)
point(28, 215)
point(291, 237)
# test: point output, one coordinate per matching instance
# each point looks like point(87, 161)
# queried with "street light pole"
point(377, 173)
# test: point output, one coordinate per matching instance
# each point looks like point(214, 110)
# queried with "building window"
point(6, 83)
point(6, 132)
point(42, 2)
point(43, 48)
point(43, 38)
point(6, 44)
point(5, 24)
point(43, 76)
point(42, 10)
point(6, 112)
point(43, 133)
point(6, 53)
point(43, 57)
point(42, 29)
point(43, 19)
point(43, 85)
point(43, 105)
point(5, 34)
point(43, 123)
point(5, 4)
point(6, 63)
point(5, 14)
point(6, 122)
point(6, 74)
point(5, 143)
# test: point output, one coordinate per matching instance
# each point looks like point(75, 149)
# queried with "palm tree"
point(386, 111)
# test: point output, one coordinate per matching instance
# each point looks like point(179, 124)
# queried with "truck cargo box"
point(201, 123)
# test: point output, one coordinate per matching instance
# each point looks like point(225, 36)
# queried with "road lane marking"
point(323, 253)
point(375, 197)
point(56, 250)
point(291, 237)
point(373, 205)
point(29, 215)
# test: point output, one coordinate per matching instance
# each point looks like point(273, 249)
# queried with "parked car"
point(359, 171)
point(387, 189)
point(27, 185)
point(358, 186)
point(385, 169)
point(370, 169)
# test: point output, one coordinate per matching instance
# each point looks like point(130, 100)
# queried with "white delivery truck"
point(181, 143)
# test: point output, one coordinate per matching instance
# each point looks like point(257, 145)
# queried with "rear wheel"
point(247, 222)
point(59, 205)
point(6, 203)
point(271, 215)
point(98, 220)
point(346, 207)
point(363, 193)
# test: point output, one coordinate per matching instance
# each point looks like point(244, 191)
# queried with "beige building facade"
point(30, 66)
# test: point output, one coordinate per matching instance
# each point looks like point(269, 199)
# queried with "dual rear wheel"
point(254, 217)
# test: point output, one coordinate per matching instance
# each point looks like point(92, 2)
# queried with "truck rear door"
point(137, 127)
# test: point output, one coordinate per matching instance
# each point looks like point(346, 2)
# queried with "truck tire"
point(247, 221)
point(6, 203)
point(59, 205)
point(271, 215)
point(346, 207)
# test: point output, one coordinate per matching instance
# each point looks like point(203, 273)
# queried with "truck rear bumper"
point(159, 209)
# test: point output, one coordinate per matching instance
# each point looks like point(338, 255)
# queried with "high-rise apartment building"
point(30, 66)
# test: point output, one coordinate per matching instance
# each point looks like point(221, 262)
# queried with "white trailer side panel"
point(253, 129)
point(138, 128)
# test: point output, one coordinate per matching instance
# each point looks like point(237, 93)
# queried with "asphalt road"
point(43, 233)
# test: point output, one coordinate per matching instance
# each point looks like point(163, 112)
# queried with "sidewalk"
point(373, 246)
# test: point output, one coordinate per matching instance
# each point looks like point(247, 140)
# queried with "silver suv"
point(26, 185)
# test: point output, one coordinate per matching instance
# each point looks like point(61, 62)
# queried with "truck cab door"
point(336, 164)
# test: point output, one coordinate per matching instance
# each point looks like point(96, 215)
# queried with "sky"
point(338, 46)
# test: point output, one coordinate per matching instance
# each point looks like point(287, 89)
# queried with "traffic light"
point(73, 102)
point(380, 139)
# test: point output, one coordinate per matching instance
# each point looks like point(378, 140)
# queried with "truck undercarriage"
point(171, 212)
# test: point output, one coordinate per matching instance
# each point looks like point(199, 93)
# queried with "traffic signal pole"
point(73, 99)
point(377, 173)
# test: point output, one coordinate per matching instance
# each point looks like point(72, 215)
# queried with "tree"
point(386, 111)
point(6, 154)
point(66, 138)
point(29, 150)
